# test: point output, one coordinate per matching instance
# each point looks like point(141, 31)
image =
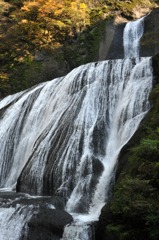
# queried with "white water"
point(13, 221)
point(127, 107)
point(132, 34)
point(70, 131)
point(78, 231)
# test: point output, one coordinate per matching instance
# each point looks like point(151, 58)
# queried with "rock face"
point(150, 41)
point(111, 45)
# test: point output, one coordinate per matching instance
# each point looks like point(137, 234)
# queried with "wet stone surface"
point(43, 216)
point(11, 199)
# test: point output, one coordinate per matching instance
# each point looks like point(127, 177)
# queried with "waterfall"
point(129, 77)
point(126, 106)
point(132, 34)
point(63, 137)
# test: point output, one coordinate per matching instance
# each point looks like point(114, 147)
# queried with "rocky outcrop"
point(48, 224)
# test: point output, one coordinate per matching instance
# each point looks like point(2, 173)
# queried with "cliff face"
point(150, 40)
point(111, 45)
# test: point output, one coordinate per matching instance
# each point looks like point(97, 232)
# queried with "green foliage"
point(135, 210)
point(85, 48)
point(97, 14)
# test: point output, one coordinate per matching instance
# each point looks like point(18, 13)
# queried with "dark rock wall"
point(150, 40)
point(111, 45)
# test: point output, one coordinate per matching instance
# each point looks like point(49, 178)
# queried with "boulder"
point(48, 224)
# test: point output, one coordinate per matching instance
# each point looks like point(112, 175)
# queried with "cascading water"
point(132, 34)
point(127, 106)
point(63, 137)
point(11, 227)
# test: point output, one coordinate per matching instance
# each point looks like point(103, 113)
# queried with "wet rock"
point(11, 199)
point(48, 224)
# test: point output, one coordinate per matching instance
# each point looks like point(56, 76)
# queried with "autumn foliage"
point(56, 20)
point(68, 30)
